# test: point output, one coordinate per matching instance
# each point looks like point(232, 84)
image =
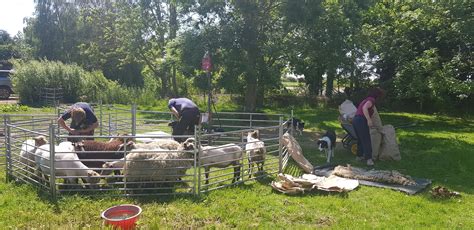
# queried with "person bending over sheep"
point(83, 121)
point(188, 116)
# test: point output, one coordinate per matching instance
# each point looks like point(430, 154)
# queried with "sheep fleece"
point(156, 166)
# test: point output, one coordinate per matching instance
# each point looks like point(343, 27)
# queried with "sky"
point(12, 13)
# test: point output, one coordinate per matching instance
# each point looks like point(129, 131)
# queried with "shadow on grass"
point(426, 122)
point(144, 198)
point(447, 162)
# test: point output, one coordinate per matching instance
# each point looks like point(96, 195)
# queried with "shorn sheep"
point(256, 151)
point(149, 166)
point(67, 164)
point(221, 157)
point(28, 149)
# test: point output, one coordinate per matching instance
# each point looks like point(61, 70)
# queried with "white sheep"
point(256, 151)
point(67, 164)
point(156, 165)
point(221, 157)
point(28, 149)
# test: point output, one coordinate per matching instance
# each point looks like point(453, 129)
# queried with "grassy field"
point(437, 147)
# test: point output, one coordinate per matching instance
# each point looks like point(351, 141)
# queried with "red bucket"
point(122, 216)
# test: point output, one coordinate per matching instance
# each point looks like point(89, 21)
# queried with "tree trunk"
point(165, 83)
point(312, 81)
point(250, 46)
point(260, 94)
point(173, 20)
point(251, 93)
point(173, 28)
point(261, 82)
point(329, 83)
point(251, 97)
point(386, 69)
point(175, 85)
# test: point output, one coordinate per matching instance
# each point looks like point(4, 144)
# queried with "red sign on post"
point(206, 62)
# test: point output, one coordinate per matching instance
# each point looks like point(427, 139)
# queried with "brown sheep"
point(94, 153)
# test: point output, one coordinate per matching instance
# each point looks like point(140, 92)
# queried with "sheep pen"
point(150, 162)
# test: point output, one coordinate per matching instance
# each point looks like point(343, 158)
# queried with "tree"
point(6, 49)
point(54, 31)
point(424, 51)
point(101, 46)
point(244, 38)
point(322, 34)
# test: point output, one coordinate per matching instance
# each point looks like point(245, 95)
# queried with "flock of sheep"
point(154, 162)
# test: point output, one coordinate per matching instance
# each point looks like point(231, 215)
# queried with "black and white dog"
point(296, 124)
point(327, 143)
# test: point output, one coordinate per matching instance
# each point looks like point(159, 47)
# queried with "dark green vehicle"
point(6, 88)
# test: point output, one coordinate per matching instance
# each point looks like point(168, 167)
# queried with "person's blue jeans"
point(364, 143)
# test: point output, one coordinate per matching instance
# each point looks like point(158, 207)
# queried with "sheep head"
point(126, 146)
point(78, 146)
point(93, 177)
point(189, 144)
point(40, 140)
point(107, 165)
point(254, 134)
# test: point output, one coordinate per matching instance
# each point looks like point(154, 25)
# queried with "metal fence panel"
point(143, 172)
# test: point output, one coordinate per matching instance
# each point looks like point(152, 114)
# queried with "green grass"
point(437, 147)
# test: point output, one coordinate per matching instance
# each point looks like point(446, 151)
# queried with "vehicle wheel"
point(4, 93)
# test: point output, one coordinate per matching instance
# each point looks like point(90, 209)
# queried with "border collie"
point(296, 125)
point(327, 143)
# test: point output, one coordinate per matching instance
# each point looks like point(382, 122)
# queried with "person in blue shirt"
point(83, 120)
point(187, 115)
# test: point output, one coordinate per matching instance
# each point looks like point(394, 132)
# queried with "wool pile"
point(291, 185)
point(384, 176)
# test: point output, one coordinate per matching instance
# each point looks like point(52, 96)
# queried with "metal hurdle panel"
point(220, 177)
point(240, 120)
point(151, 121)
point(183, 175)
point(19, 129)
point(112, 120)
point(131, 175)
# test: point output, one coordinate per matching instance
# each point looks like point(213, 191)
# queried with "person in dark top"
point(362, 122)
point(188, 115)
point(83, 120)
